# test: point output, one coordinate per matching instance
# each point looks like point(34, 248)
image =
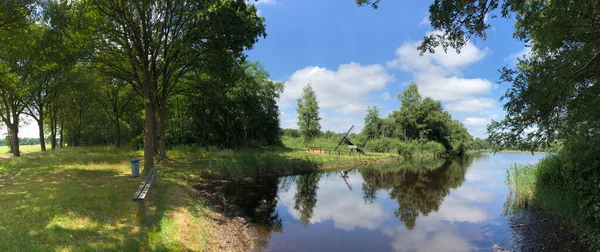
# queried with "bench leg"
point(141, 207)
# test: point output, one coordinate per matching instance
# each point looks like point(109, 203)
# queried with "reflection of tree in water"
point(305, 199)
point(419, 188)
point(258, 199)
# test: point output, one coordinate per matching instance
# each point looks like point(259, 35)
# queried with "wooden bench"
point(143, 191)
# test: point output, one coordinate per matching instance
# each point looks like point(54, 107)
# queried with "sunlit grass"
point(79, 199)
point(22, 148)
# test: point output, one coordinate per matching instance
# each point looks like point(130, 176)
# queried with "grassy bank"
point(192, 162)
point(541, 186)
point(77, 199)
point(80, 199)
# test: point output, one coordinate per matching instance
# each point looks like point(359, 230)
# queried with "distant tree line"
point(420, 126)
point(23, 141)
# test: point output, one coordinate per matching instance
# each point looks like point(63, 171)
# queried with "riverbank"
point(80, 198)
point(538, 190)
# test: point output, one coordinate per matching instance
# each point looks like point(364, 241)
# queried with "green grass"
point(22, 148)
point(79, 199)
point(538, 186)
point(194, 162)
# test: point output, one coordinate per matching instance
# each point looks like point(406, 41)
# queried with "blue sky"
point(357, 56)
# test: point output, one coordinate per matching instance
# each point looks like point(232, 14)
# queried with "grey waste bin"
point(135, 168)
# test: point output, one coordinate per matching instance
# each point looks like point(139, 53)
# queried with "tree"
point(308, 115)
point(152, 44)
point(372, 123)
point(15, 72)
point(115, 97)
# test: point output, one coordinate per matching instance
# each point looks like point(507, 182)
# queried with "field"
point(4, 150)
point(76, 199)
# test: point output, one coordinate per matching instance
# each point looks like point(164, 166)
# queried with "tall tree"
point(308, 115)
point(15, 73)
point(151, 44)
point(372, 123)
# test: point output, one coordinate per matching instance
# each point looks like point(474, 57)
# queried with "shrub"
point(382, 145)
point(434, 148)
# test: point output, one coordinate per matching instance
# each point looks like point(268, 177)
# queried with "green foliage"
point(419, 122)
point(242, 112)
point(373, 123)
point(308, 115)
point(383, 145)
point(418, 185)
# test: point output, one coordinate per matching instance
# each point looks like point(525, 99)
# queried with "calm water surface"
point(422, 205)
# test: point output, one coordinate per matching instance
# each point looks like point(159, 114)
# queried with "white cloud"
point(265, 2)
point(386, 96)
point(520, 55)
point(425, 21)
point(477, 121)
point(345, 91)
point(336, 89)
point(439, 75)
point(347, 214)
point(471, 105)
point(481, 121)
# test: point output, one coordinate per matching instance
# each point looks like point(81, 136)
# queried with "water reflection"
point(305, 199)
point(419, 186)
point(415, 205)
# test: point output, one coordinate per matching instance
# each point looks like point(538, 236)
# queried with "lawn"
point(23, 148)
point(79, 199)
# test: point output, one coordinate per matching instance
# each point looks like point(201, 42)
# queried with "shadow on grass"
point(75, 209)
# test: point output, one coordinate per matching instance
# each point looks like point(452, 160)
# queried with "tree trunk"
point(117, 134)
point(53, 128)
point(13, 131)
point(42, 139)
point(62, 123)
point(148, 126)
point(162, 111)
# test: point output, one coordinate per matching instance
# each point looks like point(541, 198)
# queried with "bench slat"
point(144, 188)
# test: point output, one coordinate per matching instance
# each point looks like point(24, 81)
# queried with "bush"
point(433, 148)
point(383, 145)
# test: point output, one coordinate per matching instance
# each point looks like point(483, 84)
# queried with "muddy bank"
point(233, 230)
point(536, 230)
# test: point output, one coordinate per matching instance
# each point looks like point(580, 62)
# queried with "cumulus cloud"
point(471, 105)
point(386, 96)
point(439, 74)
point(520, 55)
point(336, 89)
point(481, 121)
point(345, 91)
point(425, 21)
point(265, 2)
point(347, 214)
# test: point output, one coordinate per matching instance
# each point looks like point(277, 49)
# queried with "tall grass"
point(251, 163)
point(546, 186)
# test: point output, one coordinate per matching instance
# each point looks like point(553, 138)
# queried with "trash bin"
point(135, 167)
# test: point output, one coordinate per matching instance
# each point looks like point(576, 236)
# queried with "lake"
point(416, 205)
